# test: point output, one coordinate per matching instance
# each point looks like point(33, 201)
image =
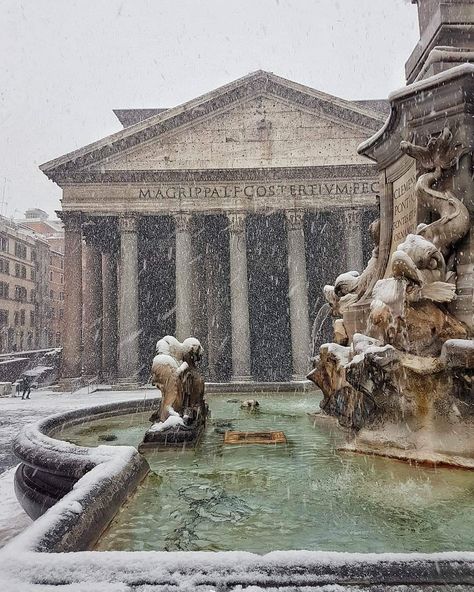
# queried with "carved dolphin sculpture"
point(453, 223)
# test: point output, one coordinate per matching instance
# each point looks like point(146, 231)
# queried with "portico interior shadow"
point(157, 288)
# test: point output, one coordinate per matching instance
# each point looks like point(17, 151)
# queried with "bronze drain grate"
point(254, 438)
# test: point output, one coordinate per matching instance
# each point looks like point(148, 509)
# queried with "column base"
point(245, 378)
point(109, 377)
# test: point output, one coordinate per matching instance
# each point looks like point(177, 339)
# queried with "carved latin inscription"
point(404, 207)
point(330, 189)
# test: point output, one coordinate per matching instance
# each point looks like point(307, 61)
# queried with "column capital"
point(352, 215)
point(183, 221)
point(237, 222)
point(128, 223)
point(294, 219)
point(100, 232)
point(72, 220)
point(89, 232)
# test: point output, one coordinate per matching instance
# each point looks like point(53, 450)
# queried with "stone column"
point(298, 295)
point(109, 318)
point(184, 321)
point(239, 298)
point(72, 323)
point(128, 301)
point(353, 240)
point(216, 335)
point(92, 316)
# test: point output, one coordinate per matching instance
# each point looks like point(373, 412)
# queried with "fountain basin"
point(95, 482)
point(263, 497)
point(76, 521)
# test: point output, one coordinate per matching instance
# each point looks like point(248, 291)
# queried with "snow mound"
point(173, 420)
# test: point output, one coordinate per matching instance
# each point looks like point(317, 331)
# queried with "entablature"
point(253, 190)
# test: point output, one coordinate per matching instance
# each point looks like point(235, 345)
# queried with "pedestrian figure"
point(26, 388)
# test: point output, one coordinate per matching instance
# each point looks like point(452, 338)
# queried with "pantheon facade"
point(221, 218)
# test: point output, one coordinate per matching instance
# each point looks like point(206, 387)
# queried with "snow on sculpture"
point(349, 287)
point(411, 372)
point(169, 366)
point(182, 412)
point(422, 267)
point(439, 155)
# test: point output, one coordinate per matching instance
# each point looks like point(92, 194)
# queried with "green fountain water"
point(302, 495)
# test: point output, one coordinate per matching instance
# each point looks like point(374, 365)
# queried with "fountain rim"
point(66, 528)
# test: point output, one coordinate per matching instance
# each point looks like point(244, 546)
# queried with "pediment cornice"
point(259, 83)
point(218, 175)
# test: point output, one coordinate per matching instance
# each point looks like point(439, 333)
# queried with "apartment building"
point(52, 232)
point(56, 297)
point(23, 298)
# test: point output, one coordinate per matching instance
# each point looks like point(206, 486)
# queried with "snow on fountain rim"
point(188, 570)
point(21, 564)
point(112, 460)
point(33, 436)
point(95, 469)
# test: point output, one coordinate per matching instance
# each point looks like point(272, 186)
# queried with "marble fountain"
point(373, 492)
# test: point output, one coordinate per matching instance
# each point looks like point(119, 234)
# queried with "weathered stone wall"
point(261, 132)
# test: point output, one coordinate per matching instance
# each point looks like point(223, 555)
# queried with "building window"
point(3, 318)
point(33, 295)
point(33, 255)
point(61, 296)
point(3, 244)
point(51, 260)
point(62, 279)
point(20, 250)
point(20, 293)
point(16, 318)
point(17, 270)
point(50, 276)
point(33, 274)
point(4, 266)
point(62, 263)
point(51, 294)
point(32, 318)
point(23, 272)
point(61, 313)
point(22, 317)
point(3, 290)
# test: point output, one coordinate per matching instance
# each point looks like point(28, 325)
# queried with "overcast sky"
point(66, 64)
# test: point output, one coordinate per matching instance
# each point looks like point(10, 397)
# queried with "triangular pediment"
point(260, 120)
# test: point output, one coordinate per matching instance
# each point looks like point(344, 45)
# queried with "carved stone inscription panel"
point(252, 190)
point(214, 196)
point(404, 207)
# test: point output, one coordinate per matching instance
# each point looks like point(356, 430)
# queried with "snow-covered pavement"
point(16, 413)
point(13, 519)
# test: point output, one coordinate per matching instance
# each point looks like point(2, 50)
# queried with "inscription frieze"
point(330, 189)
